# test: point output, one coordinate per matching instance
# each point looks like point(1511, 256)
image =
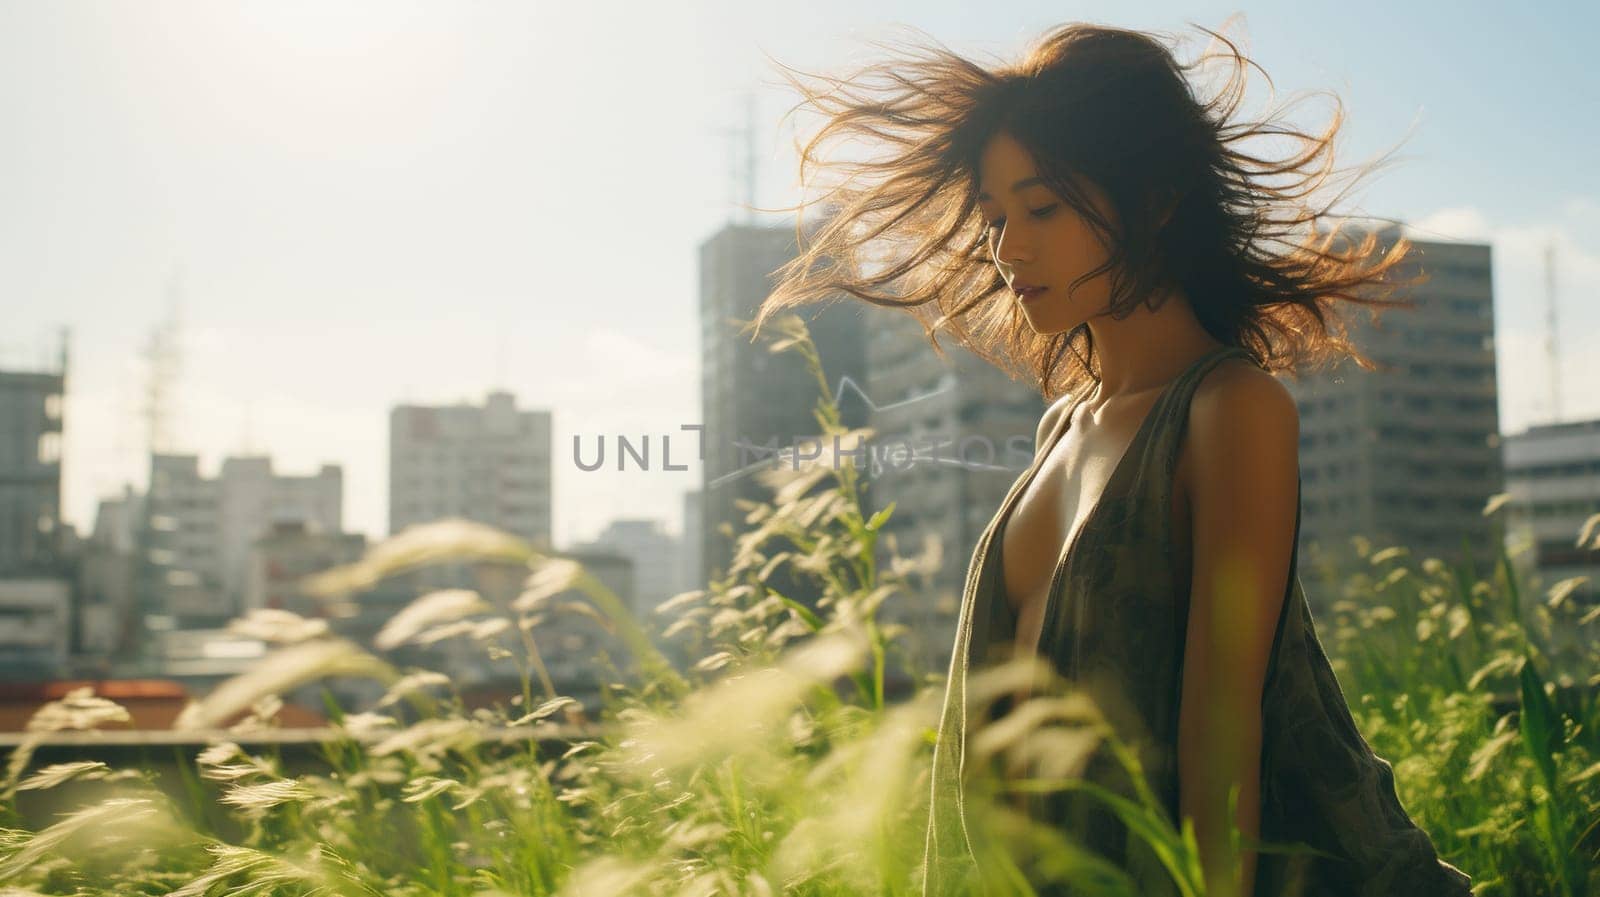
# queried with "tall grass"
point(1484, 694)
point(773, 762)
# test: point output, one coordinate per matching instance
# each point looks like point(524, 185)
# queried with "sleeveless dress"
point(1115, 620)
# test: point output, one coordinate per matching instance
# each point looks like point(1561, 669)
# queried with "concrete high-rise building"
point(285, 554)
point(36, 634)
point(117, 521)
point(199, 531)
point(179, 568)
point(107, 566)
point(1408, 454)
point(35, 590)
point(581, 653)
point(750, 395)
point(972, 429)
point(654, 554)
point(30, 472)
point(253, 500)
point(1553, 476)
point(489, 463)
point(693, 543)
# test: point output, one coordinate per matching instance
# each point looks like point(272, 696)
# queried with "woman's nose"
point(1010, 250)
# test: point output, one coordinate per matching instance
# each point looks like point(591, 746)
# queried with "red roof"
point(111, 689)
point(152, 703)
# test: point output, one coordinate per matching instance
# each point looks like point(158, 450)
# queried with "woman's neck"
point(1147, 349)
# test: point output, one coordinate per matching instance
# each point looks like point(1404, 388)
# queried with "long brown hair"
point(1263, 266)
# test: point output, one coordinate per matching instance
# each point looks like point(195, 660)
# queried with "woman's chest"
point(1081, 517)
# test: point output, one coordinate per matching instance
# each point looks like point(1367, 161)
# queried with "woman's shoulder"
point(1237, 392)
point(1241, 414)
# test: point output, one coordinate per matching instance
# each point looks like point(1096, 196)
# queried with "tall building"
point(655, 556)
point(106, 576)
point(1410, 453)
point(35, 591)
point(972, 429)
point(289, 552)
point(179, 572)
point(1553, 476)
point(693, 543)
point(35, 637)
point(581, 651)
point(30, 471)
point(253, 499)
point(285, 554)
point(199, 531)
point(490, 463)
point(749, 395)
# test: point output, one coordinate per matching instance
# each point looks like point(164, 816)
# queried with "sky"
point(355, 204)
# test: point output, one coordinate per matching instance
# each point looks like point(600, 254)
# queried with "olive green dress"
point(1114, 625)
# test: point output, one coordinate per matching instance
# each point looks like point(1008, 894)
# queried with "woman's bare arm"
point(1243, 444)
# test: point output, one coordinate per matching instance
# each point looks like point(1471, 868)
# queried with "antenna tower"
point(1551, 349)
point(163, 363)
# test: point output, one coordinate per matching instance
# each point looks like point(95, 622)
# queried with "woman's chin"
point(1046, 324)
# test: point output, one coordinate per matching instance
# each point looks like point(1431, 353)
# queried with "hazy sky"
point(366, 203)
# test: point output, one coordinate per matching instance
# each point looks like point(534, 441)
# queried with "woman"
point(1082, 219)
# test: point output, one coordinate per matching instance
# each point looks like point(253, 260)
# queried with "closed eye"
point(1037, 213)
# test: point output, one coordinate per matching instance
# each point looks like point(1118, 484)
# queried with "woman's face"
point(1039, 241)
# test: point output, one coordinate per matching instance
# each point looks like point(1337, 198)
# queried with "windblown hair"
point(1262, 263)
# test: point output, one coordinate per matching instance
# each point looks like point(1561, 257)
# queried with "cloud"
point(1450, 224)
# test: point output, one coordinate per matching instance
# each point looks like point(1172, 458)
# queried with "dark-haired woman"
point(1083, 220)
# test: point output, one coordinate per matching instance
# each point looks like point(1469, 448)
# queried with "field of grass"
point(773, 764)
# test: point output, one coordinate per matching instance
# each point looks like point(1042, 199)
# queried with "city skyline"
point(347, 239)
